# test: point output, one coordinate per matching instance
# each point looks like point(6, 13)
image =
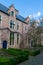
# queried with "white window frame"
point(17, 26)
point(1, 20)
point(9, 23)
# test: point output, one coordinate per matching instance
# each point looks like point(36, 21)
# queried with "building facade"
point(12, 27)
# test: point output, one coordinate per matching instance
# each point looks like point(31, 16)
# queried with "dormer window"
point(12, 13)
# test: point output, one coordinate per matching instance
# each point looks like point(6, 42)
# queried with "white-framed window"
point(12, 24)
point(11, 38)
point(0, 19)
point(17, 38)
point(17, 26)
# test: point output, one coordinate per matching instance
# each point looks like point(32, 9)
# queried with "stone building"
point(12, 27)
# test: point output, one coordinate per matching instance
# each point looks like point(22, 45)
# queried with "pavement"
point(34, 60)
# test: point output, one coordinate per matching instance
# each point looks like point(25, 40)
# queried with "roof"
point(4, 9)
point(16, 10)
point(22, 19)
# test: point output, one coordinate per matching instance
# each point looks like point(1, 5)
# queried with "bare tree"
point(23, 41)
point(34, 34)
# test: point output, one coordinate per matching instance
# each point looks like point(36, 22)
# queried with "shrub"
point(17, 56)
point(4, 61)
point(22, 55)
point(34, 52)
point(11, 61)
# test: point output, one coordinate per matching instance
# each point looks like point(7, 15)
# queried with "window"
point(17, 26)
point(25, 28)
point(12, 13)
point(12, 24)
point(17, 38)
point(0, 18)
point(11, 38)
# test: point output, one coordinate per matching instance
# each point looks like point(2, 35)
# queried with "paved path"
point(36, 60)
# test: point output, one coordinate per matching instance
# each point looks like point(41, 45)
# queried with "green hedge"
point(22, 55)
point(4, 61)
point(11, 61)
point(18, 56)
point(34, 52)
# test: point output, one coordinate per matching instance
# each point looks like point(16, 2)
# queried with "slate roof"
point(4, 9)
point(19, 17)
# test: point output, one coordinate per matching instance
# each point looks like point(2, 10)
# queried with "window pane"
point(17, 26)
point(11, 38)
point(0, 17)
point(17, 38)
point(12, 24)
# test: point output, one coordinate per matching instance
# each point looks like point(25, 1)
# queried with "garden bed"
point(12, 56)
point(34, 52)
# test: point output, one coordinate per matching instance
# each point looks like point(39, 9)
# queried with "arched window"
point(12, 13)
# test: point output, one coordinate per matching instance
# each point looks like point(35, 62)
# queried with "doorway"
point(4, 44)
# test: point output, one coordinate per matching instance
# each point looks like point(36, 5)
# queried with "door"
point(4, 44)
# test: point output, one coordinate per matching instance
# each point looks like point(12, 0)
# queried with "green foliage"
point(34, 52)
point(17, 56)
